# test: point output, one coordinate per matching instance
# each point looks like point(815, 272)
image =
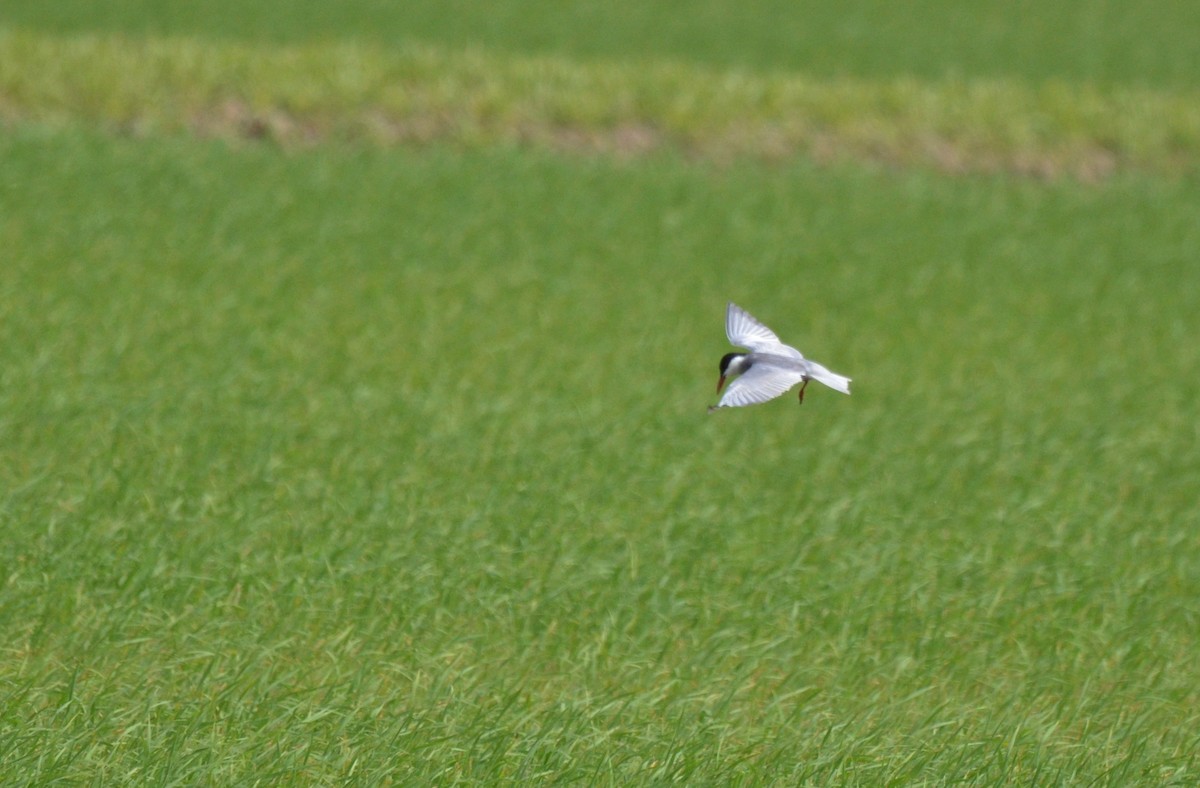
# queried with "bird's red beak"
point(720, 383)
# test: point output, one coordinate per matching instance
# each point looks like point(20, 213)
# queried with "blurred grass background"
point(357, 94)
point(361, 463)
point(1073, 40)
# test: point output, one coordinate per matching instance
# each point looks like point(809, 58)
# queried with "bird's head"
point(731, 364)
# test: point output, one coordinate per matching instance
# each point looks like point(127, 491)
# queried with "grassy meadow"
point(362, 458)
point(1072, 40)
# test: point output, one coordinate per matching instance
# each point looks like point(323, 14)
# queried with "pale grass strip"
point(348, 91)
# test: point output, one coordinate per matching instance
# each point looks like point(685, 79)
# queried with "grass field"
point(356, 462)
point(1072, 40)
point(362, 94)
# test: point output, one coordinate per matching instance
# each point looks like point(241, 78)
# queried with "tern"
point(770, 369)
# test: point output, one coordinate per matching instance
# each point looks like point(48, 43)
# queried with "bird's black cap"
point(727, 359)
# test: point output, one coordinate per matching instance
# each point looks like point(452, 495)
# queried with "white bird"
point(770, 369)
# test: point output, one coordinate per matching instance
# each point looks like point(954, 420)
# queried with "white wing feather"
point(745, 331)
point(761, 382)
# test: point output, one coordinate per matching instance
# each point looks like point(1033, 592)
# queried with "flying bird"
point(770, 369)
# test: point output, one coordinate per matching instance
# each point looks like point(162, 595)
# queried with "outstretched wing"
point(761, 382)
point(745, 331)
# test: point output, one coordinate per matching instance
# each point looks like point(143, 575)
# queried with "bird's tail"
point(832, 379)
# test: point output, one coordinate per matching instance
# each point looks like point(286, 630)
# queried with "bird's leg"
point(802, 387)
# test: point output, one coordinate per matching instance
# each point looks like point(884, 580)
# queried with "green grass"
point(350, 464)
point(1071, 40)
point(353, 423)
point(365, 94)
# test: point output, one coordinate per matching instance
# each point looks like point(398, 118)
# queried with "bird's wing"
point(761, 382)
point(744, 331)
